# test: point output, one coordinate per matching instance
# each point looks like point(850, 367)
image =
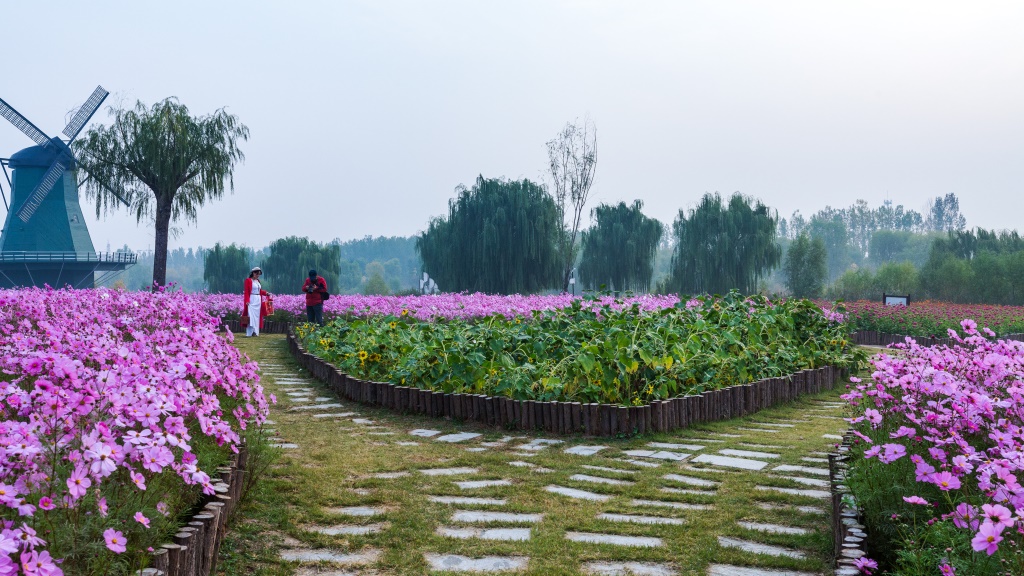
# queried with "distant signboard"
point(896, 300)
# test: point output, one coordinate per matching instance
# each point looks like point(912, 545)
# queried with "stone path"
point(413, 495)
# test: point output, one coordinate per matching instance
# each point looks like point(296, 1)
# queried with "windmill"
point(44, 239)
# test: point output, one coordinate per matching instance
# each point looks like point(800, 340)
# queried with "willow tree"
point(722, 247)
point(290, 259)
point(225, 268)
point(167, 162)
point(500, 238)
point(618, 251)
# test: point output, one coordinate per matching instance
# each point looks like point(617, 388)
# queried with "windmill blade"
point(36, 198)
point(102, 183)
point(22, 123)
point(81, 118)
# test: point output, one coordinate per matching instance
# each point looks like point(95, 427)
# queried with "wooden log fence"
point(194, 548)
point(571, 417)
point(849, 536)
point(876, 338)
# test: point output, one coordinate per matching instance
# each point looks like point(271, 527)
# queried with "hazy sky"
point(366, 115)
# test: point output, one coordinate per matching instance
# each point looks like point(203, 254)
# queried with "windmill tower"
point(44, 238)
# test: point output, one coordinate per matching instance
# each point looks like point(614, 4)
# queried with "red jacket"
point(313, 298)
point(246, 289)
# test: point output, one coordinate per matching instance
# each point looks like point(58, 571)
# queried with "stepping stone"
point(775, 425)
point(474, 484)
point(758, 548)
point(831, 436)
point(804, 469)
point(584, 450)
point(299, 400)
point(468, 500)
point(607, 469)
point(448, 471)
point(730, 462)
point(322, 399)
point(600, 480)
point(687, 491)
point(424, 433)
point(690, 480)
point(381, 434)
point(708, 470)
point(724, 435)
point(614, 539)
point(492, 444)
point(803, 509)
point(317, 407)
point(795, 492)
point(748, 454)
point(270, 422)
point(347, 529)
point(477, 516)
point(335, 415)
point(632, 518)
point(359, 511)
point(638, 463)
point(668, 446)
point(671, 504)
point(577, 494)
point(363, 421)
point(538, 444)
point(507, 534)
point(727, 570)
point(407, 443)
point(815, 460)
point(299, 394)
point(455, 563)
point(661, 455)
point(816, 482)
point(530, 465)
point(460, 437)
point(476, 449)
point(761, 430)
point(628, 569)
point(389, 475)
point(285, 446)
point(773, 528)
point(325, 555)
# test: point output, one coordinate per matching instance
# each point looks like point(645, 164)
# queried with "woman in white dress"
point(252, 294)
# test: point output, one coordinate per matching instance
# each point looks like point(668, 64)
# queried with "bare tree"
point(573, 158)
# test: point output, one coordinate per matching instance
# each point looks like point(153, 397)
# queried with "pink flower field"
point(115, 408)
point(941, 433)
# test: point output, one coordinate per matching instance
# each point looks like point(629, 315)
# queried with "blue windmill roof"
point(38, 155)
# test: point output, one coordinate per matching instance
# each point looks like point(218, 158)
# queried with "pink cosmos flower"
point(998, 515)
point(947, 570)
point(915, 500)
point(141, 519)
point(78, 483)
point(46, 503)
point(987, 538)
point(39, 564)
point(115, 540)
point(946, 481)
point(865, 564)
point(102, 505)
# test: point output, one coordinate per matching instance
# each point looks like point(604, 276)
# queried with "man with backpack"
point(315, 289)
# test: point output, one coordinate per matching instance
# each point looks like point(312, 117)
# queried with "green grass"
point(335, 458)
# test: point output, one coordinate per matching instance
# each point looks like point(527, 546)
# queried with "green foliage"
point(397, 254)
point(225, 268)
point(863, 284)
point(976, 266)
point(290, 259)
point(805, 267)
point(164, 162)
point(723, 247)
point(623, 356)
point(184, 270)
point(500, 238)
point(618, 251)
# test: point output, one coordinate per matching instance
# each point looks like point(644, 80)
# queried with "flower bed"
point(616, 353)
point(116, 410)
point(938, 467)
point(932, 319)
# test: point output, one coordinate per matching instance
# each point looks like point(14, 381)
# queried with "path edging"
point(849, 536)
point(571, 417)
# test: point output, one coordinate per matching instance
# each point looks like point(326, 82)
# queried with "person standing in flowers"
point(315, 288)
point(253, 298)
